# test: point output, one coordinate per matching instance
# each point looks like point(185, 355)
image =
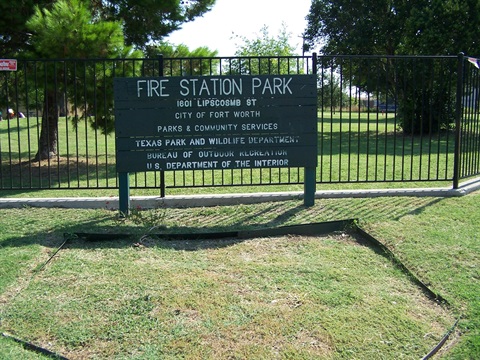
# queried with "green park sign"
point(215, 122)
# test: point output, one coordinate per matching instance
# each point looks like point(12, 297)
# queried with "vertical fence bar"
point(458, 120)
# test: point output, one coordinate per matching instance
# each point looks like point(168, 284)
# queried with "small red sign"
point(8, 65)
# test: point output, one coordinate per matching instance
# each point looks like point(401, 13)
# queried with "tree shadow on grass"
point(210, 227)
point(62, 172)
point(420, 209)
point(211, 234)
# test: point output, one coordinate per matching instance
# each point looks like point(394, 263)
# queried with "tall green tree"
point(143, 21)
point(399, 27)
point(330, 93)
point(442, 27)
point(265, 45)
point(14, 35)
point(182, 60)
point(69, 31)
point(148, 21)
point(394, 27)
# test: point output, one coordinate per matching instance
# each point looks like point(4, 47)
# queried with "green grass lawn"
point(328, 297)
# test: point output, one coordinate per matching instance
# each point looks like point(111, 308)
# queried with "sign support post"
point(124, 194)
point(309, 187)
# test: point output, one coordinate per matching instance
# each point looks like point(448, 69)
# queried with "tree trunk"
point(47, 144)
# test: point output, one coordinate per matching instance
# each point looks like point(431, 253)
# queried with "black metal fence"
point(380, 119)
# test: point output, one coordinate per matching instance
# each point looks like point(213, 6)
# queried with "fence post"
point(458, 121)
point(162, 173)
point(310, 172)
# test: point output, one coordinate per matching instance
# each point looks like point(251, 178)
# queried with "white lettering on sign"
point(148, 143)
point(256, 127)
point(242, 163)
point(192, 165)
point(271, 163)
point(197, 141)
point(162, 155)
point(183, 115)
point(175, 142)
point(184, 103)
point(273, 140)
point(247, 114)
point(216, 86)
point(262, 153)
point(227, 141)
point(216, 127)
point(215, 154)
point(218, 102)
point(218, 114)
point(275, 86)
point(211, 87)
point(169, 128)
point(152, 87)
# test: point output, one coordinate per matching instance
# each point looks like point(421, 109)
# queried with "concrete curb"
point(150, 202)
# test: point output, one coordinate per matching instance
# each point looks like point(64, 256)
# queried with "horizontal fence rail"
point(380, 119)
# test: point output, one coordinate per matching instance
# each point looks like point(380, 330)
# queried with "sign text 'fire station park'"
point(215, 122)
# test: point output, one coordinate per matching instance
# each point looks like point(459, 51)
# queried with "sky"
point(244, 18)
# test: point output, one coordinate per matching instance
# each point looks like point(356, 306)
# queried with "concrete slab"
point(150, 202)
